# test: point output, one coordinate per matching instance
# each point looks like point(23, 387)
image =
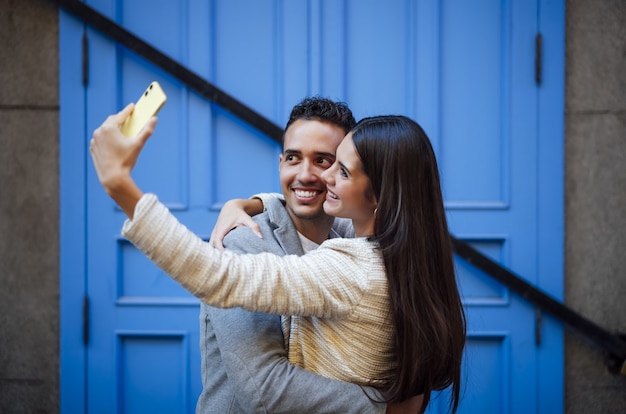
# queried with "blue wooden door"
point(464, 70)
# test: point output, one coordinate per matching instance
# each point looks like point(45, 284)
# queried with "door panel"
point(463, 70)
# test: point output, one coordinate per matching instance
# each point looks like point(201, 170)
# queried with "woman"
point(381, 309)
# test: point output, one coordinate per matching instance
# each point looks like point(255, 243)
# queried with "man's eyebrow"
point(317, 153)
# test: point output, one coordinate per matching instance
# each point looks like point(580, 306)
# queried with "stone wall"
point(29, 207)
point(595, 195)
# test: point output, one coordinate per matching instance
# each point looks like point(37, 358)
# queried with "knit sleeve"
point(266, 197)
point(329, 282)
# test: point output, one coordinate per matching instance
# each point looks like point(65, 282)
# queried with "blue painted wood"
point(73, 250)
point(550, 222)
point(140, 379)
point(465, 71)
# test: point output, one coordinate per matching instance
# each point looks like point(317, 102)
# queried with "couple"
point(380, 310)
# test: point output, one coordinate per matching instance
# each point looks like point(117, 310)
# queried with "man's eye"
point(324, 162)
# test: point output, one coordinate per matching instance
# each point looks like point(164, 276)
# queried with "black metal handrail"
point(206, 89)
point(613, 345)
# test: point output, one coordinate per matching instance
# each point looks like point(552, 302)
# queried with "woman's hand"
point(235, 213)
point(114, 157)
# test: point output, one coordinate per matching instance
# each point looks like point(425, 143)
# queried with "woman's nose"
point(327, 175)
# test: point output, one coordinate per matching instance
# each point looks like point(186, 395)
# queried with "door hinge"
point(538, 319)
point(538, 58)
point(85, 59)
point(85, 320)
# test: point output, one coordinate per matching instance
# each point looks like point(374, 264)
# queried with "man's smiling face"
point(308, 149)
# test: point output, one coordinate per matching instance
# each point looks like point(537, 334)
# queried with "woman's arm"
point(221, 280)
point(114, 157)
point(237, 213)
point(336, 277)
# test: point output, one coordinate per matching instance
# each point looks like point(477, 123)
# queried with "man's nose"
point(307, 172)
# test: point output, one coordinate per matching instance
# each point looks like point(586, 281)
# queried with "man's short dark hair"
point(324, 110)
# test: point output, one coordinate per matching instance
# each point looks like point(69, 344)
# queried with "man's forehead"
point(312, 136)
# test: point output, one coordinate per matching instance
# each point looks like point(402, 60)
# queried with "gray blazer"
point(244, 362)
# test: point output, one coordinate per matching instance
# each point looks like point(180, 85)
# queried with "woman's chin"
point(328, 208)
point(332, 209)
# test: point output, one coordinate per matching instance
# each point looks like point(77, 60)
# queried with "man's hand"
point(235, 213)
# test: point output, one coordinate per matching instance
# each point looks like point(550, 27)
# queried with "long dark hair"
point(412, 232)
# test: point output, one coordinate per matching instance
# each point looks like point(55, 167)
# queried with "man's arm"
point(256, 363)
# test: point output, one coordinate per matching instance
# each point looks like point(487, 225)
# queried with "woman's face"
point(349, 193)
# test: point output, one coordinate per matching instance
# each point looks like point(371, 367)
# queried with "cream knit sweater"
point(341, 326)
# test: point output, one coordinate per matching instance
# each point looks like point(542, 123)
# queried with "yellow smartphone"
point(146, 107)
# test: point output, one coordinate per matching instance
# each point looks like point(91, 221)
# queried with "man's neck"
point(315, 230)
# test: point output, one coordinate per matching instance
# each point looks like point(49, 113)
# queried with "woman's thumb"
point(147, 130)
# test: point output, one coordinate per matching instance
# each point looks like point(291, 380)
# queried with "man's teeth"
point(301, 193)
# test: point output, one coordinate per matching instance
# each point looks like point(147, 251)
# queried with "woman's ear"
point(372, 197)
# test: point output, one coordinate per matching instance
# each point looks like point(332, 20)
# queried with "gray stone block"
point(29, 55)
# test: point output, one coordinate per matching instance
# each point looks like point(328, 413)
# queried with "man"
point(244, 361)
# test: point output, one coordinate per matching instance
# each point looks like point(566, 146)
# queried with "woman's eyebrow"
point(342, 165)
